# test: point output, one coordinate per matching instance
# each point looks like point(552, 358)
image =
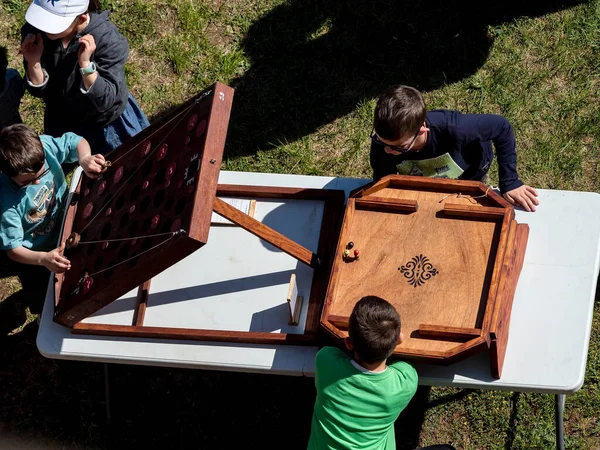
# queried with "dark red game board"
point(150, 208)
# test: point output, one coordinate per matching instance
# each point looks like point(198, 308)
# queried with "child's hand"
point(88, 46)
point(92, 165)
point(54, 260)
point(32, 48)
point(524, 196)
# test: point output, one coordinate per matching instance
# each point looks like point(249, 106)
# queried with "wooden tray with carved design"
point(446, 253)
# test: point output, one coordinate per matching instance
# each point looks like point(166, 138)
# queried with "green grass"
point(307, 74)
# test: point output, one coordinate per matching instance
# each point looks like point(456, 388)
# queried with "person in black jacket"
point(74, 60)
point(11, 91)
point(409, 140)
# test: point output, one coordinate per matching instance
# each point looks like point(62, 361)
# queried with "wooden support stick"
point(262, 231)
point(441, 331)
point(294, 301)
point(245, 337)
point(476, 212)
point(142, 301)
point(387, 204)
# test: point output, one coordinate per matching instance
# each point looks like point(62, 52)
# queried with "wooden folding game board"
point(148, 210)
point(446, 253)
point(152, 207)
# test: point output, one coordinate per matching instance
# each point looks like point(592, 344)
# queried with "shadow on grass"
point(62, 404)
point(43, 401)
point(313, 61)
point(512, 422)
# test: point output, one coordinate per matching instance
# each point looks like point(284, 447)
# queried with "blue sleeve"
point(11, 230)
point(490, 127)
point(64, 148)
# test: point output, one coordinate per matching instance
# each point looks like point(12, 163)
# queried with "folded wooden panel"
point(150, 209)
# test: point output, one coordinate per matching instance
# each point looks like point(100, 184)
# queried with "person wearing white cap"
point(74, 60)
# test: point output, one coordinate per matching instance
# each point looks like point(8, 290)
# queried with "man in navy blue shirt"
point(409, 140)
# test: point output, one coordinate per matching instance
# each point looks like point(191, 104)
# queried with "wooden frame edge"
point(475, 212)
point(371, 188)
point(503, 242)
point(442, 331)
point(330, 224)
point(193, 334)
point(386, 204)
point(336, 260)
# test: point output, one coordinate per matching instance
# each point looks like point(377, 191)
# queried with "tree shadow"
point(12, 313)
point(313, 61)
point(410, 423)
point(45, 403)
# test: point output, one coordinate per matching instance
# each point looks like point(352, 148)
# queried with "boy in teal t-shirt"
point(360, 398)
point(33, 191)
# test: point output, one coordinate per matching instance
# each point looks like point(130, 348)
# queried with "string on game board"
point(468, 197)
point(172, 119)
point(173, 234)
point(126, 239)
point(182, 114)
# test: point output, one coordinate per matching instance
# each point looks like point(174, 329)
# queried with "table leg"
point(107, 393)
point(559, 408)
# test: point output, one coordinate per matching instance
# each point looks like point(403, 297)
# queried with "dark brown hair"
point(374, 329)
point(94, 5)
point(399, 113)
point(21, 151)
point(3, 66)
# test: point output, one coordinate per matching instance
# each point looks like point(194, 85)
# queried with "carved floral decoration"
point(418, 270)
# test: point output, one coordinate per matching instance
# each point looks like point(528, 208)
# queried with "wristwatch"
point(91, 68)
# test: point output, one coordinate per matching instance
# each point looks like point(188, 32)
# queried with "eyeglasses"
point(396, 148)
point(32, 181)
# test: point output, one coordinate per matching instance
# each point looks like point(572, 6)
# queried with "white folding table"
point(237, 282)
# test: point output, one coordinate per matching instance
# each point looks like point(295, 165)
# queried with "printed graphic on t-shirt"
point(44, 201)
point(440, 167)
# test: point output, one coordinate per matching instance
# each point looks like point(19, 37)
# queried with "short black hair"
point(374, 328)
point(400, 113)
point(21, 151)
point(3, 66)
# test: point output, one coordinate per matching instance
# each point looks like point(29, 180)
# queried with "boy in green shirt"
point(360, 398)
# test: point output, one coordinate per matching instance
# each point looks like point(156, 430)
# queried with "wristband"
point(91, 68)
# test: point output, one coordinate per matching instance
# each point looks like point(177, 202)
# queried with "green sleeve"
point(328, 354)
point(408, 374)
point(329, 363)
